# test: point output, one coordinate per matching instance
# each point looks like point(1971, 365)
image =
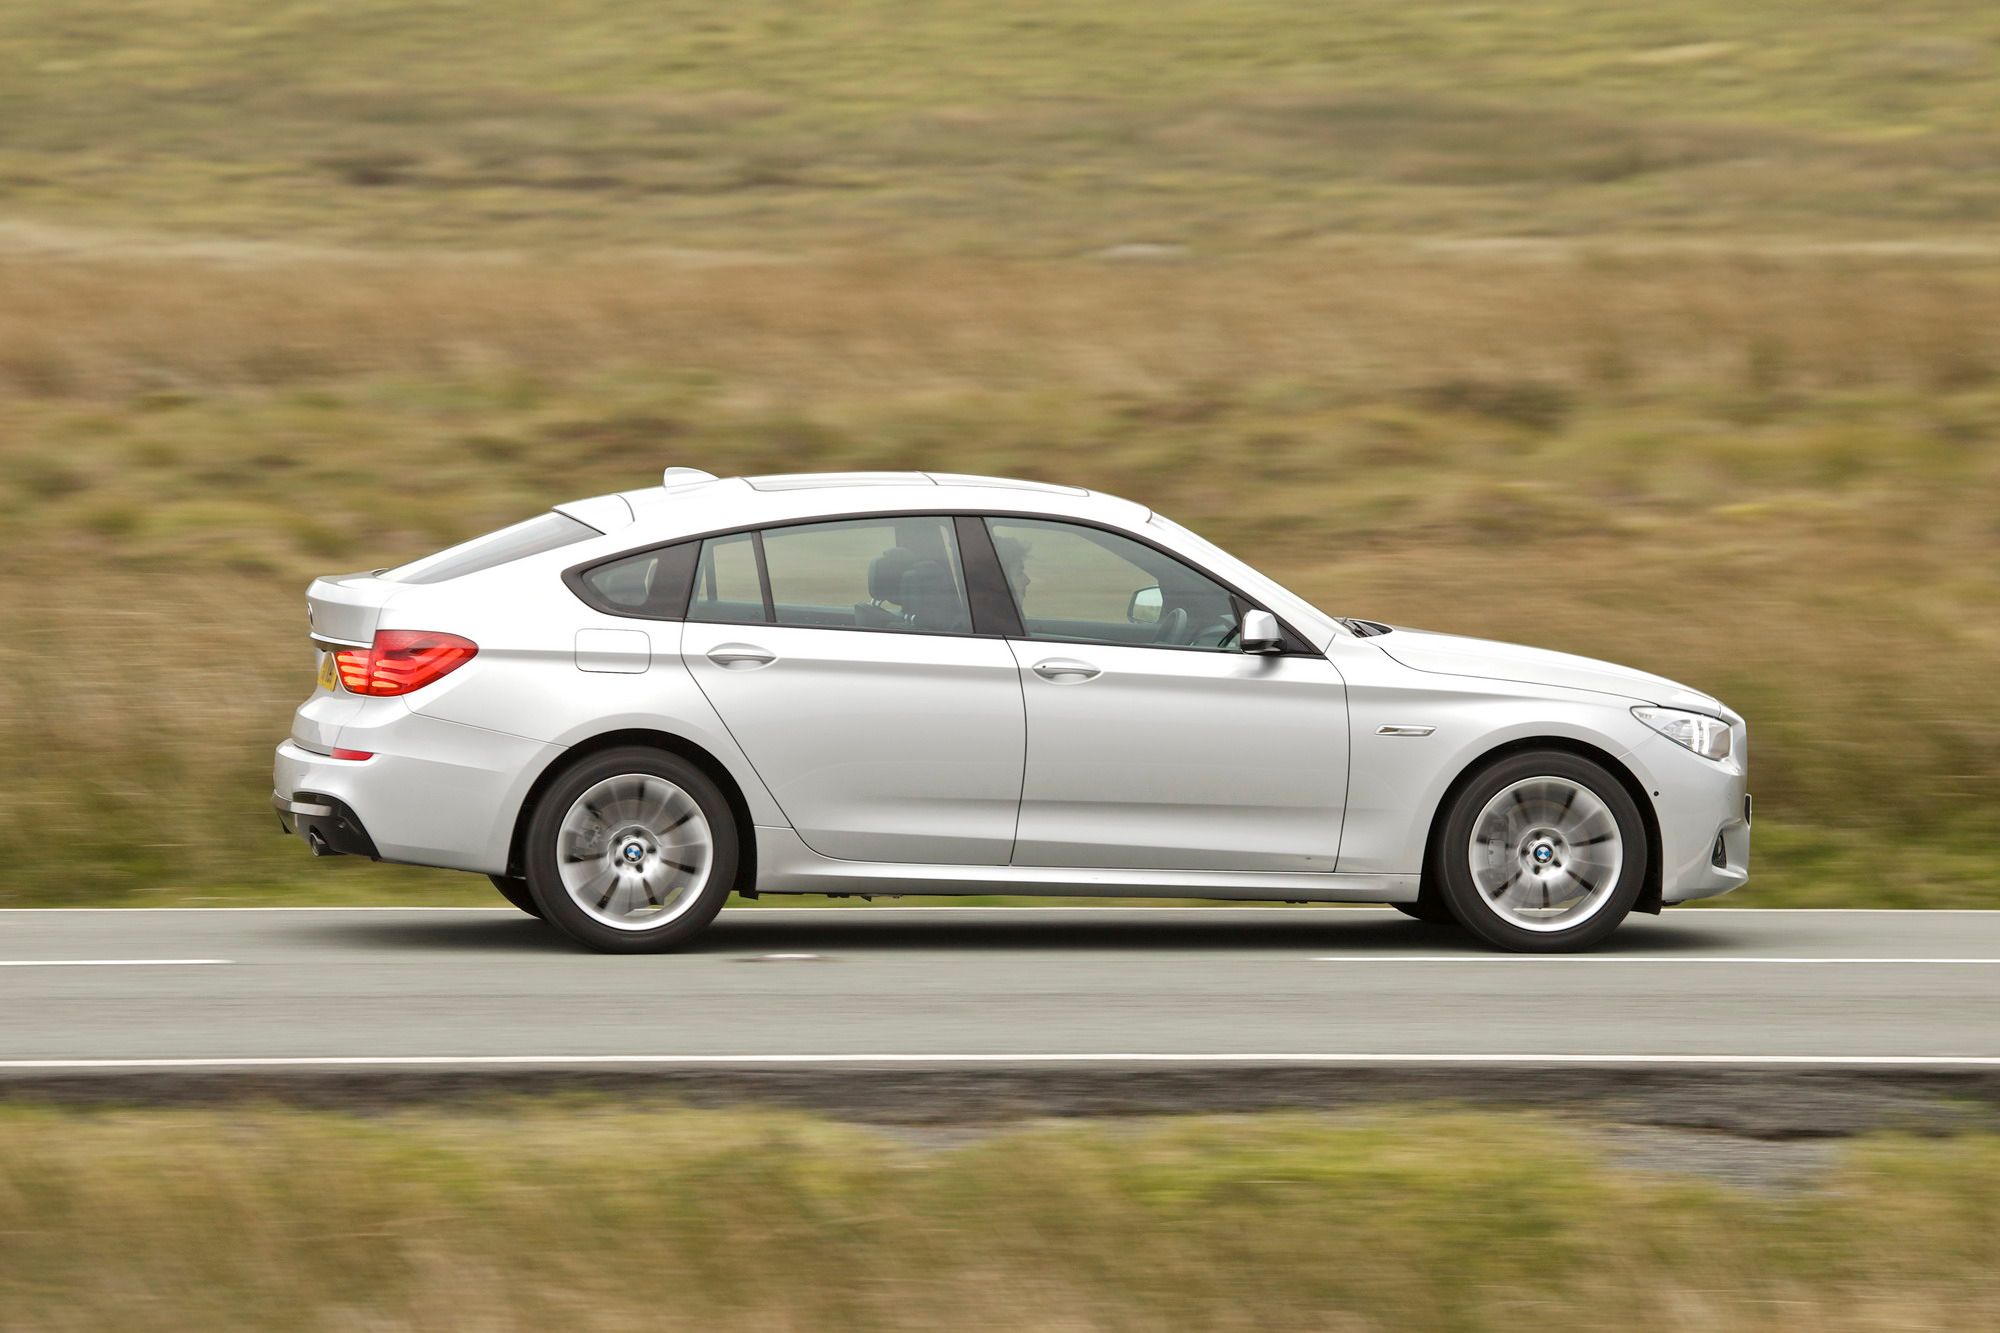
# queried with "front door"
point(1153, 741)
point(842, 659)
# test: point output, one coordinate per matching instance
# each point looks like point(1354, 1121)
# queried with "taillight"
point(401, 660)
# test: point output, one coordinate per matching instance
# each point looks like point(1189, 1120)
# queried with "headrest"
point(885, 574)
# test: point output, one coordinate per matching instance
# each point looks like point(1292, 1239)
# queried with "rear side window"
point(901, 572)
point(544, 532)
point(897, 573)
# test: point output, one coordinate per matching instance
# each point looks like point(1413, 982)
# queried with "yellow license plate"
point(329, 677)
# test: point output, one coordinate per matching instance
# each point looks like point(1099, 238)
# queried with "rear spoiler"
point(342, 609)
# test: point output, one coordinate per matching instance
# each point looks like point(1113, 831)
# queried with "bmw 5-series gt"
point(922, 683)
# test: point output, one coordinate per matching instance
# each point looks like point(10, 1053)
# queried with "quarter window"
point(651, 583)
point(1086, 585)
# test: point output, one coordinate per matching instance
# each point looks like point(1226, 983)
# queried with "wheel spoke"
point(658, 809)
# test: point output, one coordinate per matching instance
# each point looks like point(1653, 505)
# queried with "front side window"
point(1083, 584)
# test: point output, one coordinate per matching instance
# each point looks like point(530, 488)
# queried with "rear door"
point(1154, 742)
point(844, 660)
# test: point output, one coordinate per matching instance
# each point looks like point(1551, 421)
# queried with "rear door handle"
point(741, 656)
point(1066, 670)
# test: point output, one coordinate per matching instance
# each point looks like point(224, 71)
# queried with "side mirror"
point(1144, 608)
point(1261, 633)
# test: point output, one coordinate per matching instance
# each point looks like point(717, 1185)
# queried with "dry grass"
point(593, 1217)
point(1032, 128)
point(1360, 318)
point(1776, 480)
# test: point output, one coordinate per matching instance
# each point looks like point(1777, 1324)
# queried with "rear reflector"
point(402, 660)
point(339, 753)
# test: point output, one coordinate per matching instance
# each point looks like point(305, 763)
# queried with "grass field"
point(1667, 337)
point(1037, 128)
point(585, 1215)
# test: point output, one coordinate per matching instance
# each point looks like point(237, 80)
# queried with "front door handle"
point(741, 656)
point(1066, 670)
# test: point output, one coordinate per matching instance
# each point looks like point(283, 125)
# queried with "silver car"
point(923, 683)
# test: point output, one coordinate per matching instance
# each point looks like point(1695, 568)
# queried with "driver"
point(1013, 553)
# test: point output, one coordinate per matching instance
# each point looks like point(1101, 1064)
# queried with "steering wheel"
point(1173, 625)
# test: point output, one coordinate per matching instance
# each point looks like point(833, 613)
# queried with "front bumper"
point(1699, 802)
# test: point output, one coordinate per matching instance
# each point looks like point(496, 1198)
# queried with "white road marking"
point(1675, 959)
point(114, 962)
point(1065, 1057)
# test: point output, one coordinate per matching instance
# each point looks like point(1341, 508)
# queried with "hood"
point(1485, 659)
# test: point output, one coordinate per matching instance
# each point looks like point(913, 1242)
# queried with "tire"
point(633, 850)
point(516, 892)
point(1552, 824)
point(1430, 911)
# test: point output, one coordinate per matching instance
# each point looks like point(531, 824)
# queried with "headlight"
point(1706, 736)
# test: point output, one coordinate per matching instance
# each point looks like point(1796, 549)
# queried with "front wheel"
point(632, 851)
point(1543, 852)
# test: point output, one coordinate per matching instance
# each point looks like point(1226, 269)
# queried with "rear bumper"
point(328, 826)
point(434, 793)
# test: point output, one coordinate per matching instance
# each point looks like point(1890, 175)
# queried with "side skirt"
point(786, 865)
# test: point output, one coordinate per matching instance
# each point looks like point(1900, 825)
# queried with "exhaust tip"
point(317, 842)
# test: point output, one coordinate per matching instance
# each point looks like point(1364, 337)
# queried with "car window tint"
point(1077, 583)
point(626, 584)
point(726, 586)
point(899, 573)
point(652, 583)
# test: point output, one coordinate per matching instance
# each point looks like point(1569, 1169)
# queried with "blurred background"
point(1668, 334)
point(1665, 333)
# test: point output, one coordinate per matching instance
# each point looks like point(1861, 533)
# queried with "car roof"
point(710, 504)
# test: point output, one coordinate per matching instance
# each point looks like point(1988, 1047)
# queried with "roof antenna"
point(681, 476)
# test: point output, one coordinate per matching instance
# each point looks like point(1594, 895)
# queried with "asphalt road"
point(400, 988)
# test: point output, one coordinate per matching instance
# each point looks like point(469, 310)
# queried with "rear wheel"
point(1544, 852)
point(515, 890)
point(632, 851)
